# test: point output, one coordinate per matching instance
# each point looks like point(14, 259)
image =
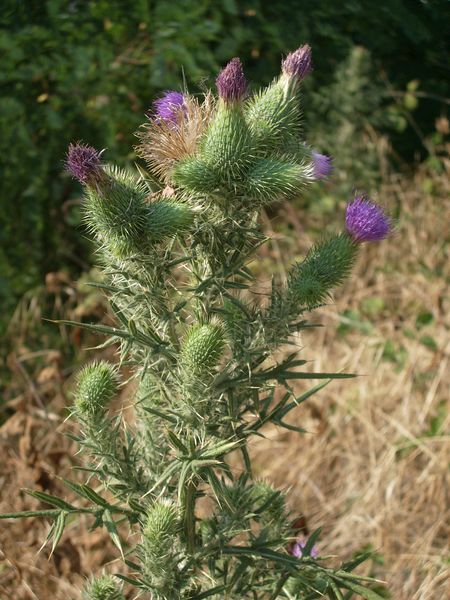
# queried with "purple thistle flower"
point(366, 221)
point(231, 82)
point(167, 108)
point(322, 165)
point(298, 63)
point(297, 549)
point(83, 162)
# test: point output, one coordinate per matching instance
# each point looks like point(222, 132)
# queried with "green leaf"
point(177, 442)
point(160, 414)
point(135, 582)
point(364, 592)
point(53, 500)
point(58, 529)
point(112, 530)
point(311, 541)
point(87, 492)
point(216, 590)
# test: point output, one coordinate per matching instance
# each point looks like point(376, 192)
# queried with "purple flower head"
point(298, 63)
point(297, 549)
point(322, 165)
point(366, 221)
point(231, 82)
point(167, 108)
point(83, 162)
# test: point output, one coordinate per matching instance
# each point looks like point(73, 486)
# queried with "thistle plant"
point(175, 487)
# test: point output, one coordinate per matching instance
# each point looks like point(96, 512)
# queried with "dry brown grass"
point(372, 470)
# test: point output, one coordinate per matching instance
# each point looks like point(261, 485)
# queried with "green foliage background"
point(89, 70)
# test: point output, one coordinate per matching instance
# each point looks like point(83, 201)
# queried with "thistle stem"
point(189, 514)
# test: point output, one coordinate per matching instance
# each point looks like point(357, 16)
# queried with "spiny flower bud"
point(97, 386)
point(272, 179)
point(231, 82)
point(169, 106)
point(203, 348)
point(298, 64)
point(103, 588)
point(167, 218)
point(83, 162)
point(322, 165)
point(161, 522)
point(195, 174)
point(269, 499)
point(158, 545)
point(365, 221)
point(325, 266)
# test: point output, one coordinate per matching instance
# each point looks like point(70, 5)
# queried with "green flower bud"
point(228, 145)
point(117, 212)
point(121, 216)
point(270, 501)
point(274, 116)
point(103, 588)
point(271, 179)
point(167, 218)
point(195, 175)
point(159, 544)
point(97, 386)
point(325, 266)
point(202, 349)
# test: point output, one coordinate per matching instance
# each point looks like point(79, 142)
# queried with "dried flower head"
point(366, 221)
point(83, 162)
point(231, 82)
point(169, 106)
point(163, 145)
point(298, 63)
point(322, 165)
point(298, 548)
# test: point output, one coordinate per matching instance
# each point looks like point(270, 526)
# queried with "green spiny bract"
point(270, 503)
point(193, 174)
point(325, 266)
point(273, 179)
point(274, 116)
point(201, 347)
point(97, 386)
point(103, 588)
point(118, 211)
point(159, 550)
point(228, 144)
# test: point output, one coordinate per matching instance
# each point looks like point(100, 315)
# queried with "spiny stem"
point(189, 514)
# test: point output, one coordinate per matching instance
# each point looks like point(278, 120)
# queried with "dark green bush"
point(89, 69)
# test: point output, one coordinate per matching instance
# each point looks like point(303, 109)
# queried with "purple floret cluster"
point(322, 165)
point(167, 108)
point(83, 162)
point(298, 63)
point(298, 548)
point(366, 221)
point(231, 82)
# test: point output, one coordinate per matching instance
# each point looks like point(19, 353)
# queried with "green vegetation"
point(91, 69)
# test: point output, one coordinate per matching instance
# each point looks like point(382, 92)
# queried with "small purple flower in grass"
point(366, 221)
point(167, 108)
point(298, 547)
point(298, 63)
point(231, 82)
point(322, 165)
point(83, 162)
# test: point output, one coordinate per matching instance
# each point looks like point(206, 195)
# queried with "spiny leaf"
point(53, 500)
point(112, 530)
